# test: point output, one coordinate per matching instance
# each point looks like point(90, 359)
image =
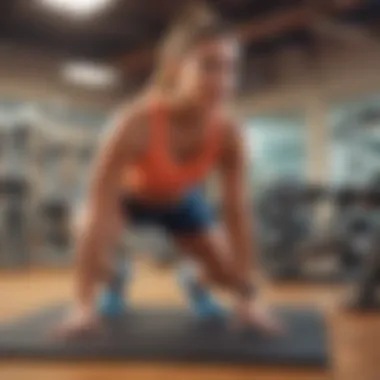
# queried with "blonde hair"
point(195, 23)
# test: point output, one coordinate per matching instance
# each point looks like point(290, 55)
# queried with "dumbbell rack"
point(14, 228)
point(54, 248)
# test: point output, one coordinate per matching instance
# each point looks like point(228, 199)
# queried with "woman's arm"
point(236, 201)
point(238, 217)
point(102, 210)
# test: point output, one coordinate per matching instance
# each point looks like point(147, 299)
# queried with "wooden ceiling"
point(126, 33)
point(130, 26)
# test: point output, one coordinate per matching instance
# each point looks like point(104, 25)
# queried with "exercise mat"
point(171, 335)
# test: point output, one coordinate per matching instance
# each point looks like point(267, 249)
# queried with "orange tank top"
point(156, 175)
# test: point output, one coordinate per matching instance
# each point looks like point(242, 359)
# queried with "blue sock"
point(201, 300)
point(112, 302)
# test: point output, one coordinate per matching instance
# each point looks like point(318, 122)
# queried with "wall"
point(338, 75)
point(35, 76)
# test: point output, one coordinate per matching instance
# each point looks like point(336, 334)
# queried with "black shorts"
point(191, 214)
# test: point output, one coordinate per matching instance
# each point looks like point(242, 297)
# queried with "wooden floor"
point(354, 340)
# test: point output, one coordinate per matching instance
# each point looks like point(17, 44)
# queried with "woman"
point(160, 151)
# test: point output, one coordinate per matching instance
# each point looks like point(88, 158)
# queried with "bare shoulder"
point(128, 131)
point(125, 135)
point(130, 119)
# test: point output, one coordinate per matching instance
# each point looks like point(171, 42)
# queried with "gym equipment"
point(55, 216)
point(53, 159)
point(16, 152)
point(172, 335)
point(342, 245)
point(286, 224)
point(277, 230)
point(366, 295)
point(15, 242)
point(354, 231)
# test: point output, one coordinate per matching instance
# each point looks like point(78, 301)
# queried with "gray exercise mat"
point(172, 335)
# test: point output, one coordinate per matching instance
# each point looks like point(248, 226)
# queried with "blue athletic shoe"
point(206, 307)
point(112, 304)
point(203, 304)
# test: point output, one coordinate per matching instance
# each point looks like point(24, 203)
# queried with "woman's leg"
point(111, 301)
point(209, 248)
point(187, 222)
point(198, 294)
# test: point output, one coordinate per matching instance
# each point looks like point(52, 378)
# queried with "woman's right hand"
point(81, 322)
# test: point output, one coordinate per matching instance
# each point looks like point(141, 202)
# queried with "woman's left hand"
point(251, 313)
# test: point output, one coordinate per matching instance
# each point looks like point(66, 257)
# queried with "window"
point(277, 148)
point(355, 147)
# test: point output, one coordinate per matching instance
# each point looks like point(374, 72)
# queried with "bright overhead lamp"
point(88, 74)
point(76, 7)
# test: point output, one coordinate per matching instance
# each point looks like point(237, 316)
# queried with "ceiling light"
point(88, 74)
point(76, 7)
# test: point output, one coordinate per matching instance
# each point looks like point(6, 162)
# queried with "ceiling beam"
point(254, 30)
point(257, 29)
